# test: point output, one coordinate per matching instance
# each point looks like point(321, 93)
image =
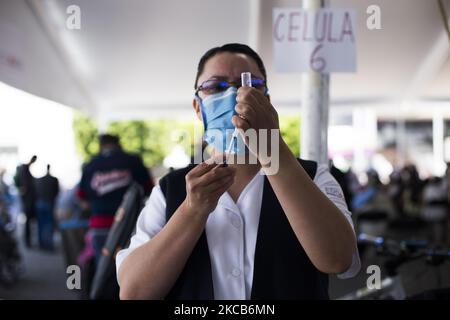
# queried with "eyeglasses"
point(212, 86)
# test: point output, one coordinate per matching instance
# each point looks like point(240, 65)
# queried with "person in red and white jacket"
point(104, 181)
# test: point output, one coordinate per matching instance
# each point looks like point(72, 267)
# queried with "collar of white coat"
point(227, 202)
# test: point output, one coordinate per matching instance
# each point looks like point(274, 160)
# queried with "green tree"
point(86, 134)
point(153, 140)
point(290, 131)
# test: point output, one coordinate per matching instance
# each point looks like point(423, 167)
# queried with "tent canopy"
point(137, 59)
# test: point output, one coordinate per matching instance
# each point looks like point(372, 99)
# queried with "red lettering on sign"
point(276, 28)
point(319, 30)
point(347, 28)
point(306, 29)
point(321, 37)
point(316, 62)
point(330, 29)
point(292, 26)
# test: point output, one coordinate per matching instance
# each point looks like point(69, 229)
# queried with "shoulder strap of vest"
point(173, 188)
point(195, 281)
point(309, 166)
point(282, 269)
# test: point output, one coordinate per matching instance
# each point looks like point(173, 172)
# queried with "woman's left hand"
point(256, 112)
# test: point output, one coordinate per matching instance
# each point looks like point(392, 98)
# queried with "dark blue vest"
point(282, 270)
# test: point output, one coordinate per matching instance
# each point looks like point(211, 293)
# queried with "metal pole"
point(315, 108)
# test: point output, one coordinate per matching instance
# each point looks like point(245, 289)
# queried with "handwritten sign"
point(323, 40)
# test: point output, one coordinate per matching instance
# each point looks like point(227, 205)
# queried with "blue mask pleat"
point(217, 111)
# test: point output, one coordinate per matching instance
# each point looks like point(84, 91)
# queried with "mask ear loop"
point(202, 111)
point(202, 114)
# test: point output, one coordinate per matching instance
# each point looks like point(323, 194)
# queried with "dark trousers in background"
point(99, 236)
point(44, 213)
point(28, 223)
point(30, 214)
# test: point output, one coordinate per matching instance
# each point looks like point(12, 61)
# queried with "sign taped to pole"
point(323, 41)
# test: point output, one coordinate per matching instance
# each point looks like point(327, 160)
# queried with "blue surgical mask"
point(217, 111)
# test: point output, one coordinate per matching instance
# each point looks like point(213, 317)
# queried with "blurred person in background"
point(5, 199)
point(104, 181)
point(47, 189)
point(3, 185)
point(435, 209)
point(10, 257)
point(354, 186)
point(72, 222)
point(24, 181)
point(412, 190)
point(395, 192)
point(5, 196)
point(373, 205)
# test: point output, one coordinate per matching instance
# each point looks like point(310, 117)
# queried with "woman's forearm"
point(321, 228)
point(151, 270)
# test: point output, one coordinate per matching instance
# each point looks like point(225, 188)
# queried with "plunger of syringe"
point(246, 81)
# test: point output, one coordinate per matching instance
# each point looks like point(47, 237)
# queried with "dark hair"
point(106, 139)
point(233, 48)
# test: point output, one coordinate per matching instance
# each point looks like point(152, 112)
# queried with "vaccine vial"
point(246, 79)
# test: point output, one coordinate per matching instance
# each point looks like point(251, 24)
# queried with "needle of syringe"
point(246, 81)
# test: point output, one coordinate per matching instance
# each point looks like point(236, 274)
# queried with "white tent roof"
point(138, 58)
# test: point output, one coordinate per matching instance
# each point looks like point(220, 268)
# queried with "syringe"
point(246, 81)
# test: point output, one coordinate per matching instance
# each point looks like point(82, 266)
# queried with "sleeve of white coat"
point(331, 188)
point(150, 221)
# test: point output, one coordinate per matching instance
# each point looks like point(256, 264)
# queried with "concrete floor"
point(44, 275)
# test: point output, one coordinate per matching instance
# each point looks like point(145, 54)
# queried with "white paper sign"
point(323, 40)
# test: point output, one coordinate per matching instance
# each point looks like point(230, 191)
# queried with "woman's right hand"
point(205, 184)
